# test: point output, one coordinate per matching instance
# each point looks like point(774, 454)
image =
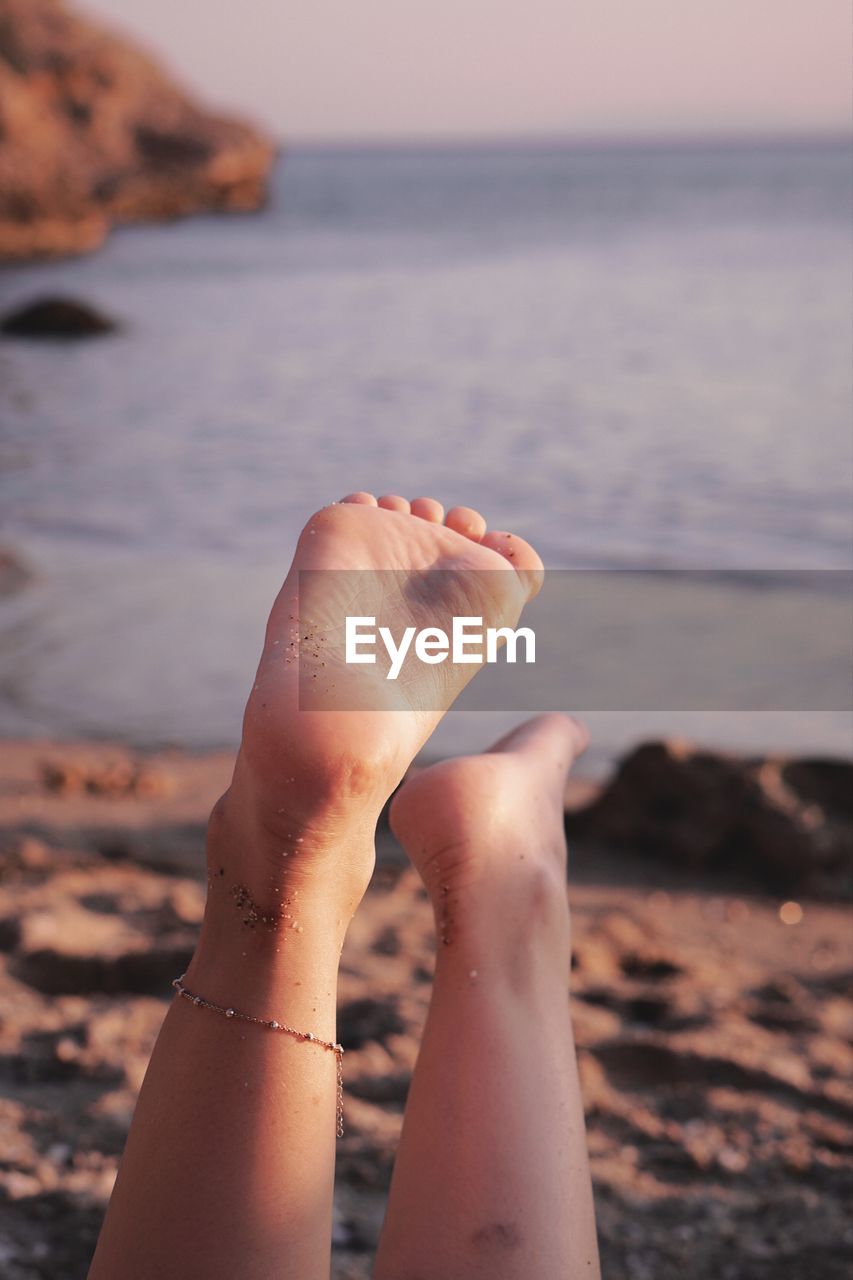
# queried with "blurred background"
point(584, 267)
point(582, 264)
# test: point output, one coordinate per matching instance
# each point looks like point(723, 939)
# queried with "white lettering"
point(495, 635)
point(431, 645)
point(396, 653)
point(354, 640)
point(461, 638)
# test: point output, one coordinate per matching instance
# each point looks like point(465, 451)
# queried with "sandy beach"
point(581, 273)
point(711, 1018)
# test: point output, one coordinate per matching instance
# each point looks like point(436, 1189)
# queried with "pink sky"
point(349, 69)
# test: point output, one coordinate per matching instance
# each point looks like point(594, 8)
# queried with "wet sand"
point(713, 1036)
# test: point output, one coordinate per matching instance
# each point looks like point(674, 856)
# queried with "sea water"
point(635, 357)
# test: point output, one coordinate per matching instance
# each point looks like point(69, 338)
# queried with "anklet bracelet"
point(272, 1025)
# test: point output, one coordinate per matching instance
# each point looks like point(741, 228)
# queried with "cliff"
point(94, 133)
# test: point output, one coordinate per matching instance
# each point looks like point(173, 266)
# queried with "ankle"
point(519, 924)
point(257, 866)
point(269, 936)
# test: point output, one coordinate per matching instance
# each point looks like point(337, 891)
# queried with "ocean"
point(635, 357)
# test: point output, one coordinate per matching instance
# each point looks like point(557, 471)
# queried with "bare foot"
point(309, 784)
point(486, 834)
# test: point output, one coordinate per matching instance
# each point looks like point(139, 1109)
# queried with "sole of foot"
point(309, 784)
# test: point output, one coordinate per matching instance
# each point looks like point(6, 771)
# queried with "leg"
point(228, 1169)
point(491, 1177)
point(230, 1159)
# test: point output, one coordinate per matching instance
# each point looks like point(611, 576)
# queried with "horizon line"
point(559, 139)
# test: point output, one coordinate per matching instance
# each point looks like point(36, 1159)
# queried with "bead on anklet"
point(273, 1025)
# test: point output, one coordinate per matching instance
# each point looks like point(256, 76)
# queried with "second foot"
point(486, 832)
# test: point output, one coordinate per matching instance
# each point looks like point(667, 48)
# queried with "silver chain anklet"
point(273, 1025)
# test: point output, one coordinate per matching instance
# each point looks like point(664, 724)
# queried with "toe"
point(466, 521)
point(428, 509)
point(392, 502)
point(360, 499)
point(520, 555)
point(553, 736)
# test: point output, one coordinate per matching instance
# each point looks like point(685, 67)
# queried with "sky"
point(371, 69)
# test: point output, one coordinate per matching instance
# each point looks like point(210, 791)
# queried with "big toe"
point(520, 555)
point(552, 737)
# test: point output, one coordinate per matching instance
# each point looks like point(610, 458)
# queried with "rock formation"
point(93, 133)
point(783, 825)
point(55, 317)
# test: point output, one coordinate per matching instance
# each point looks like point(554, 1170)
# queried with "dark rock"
point(823, 782)
point(93, 133)
point(56, 318)
point(783, 826)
